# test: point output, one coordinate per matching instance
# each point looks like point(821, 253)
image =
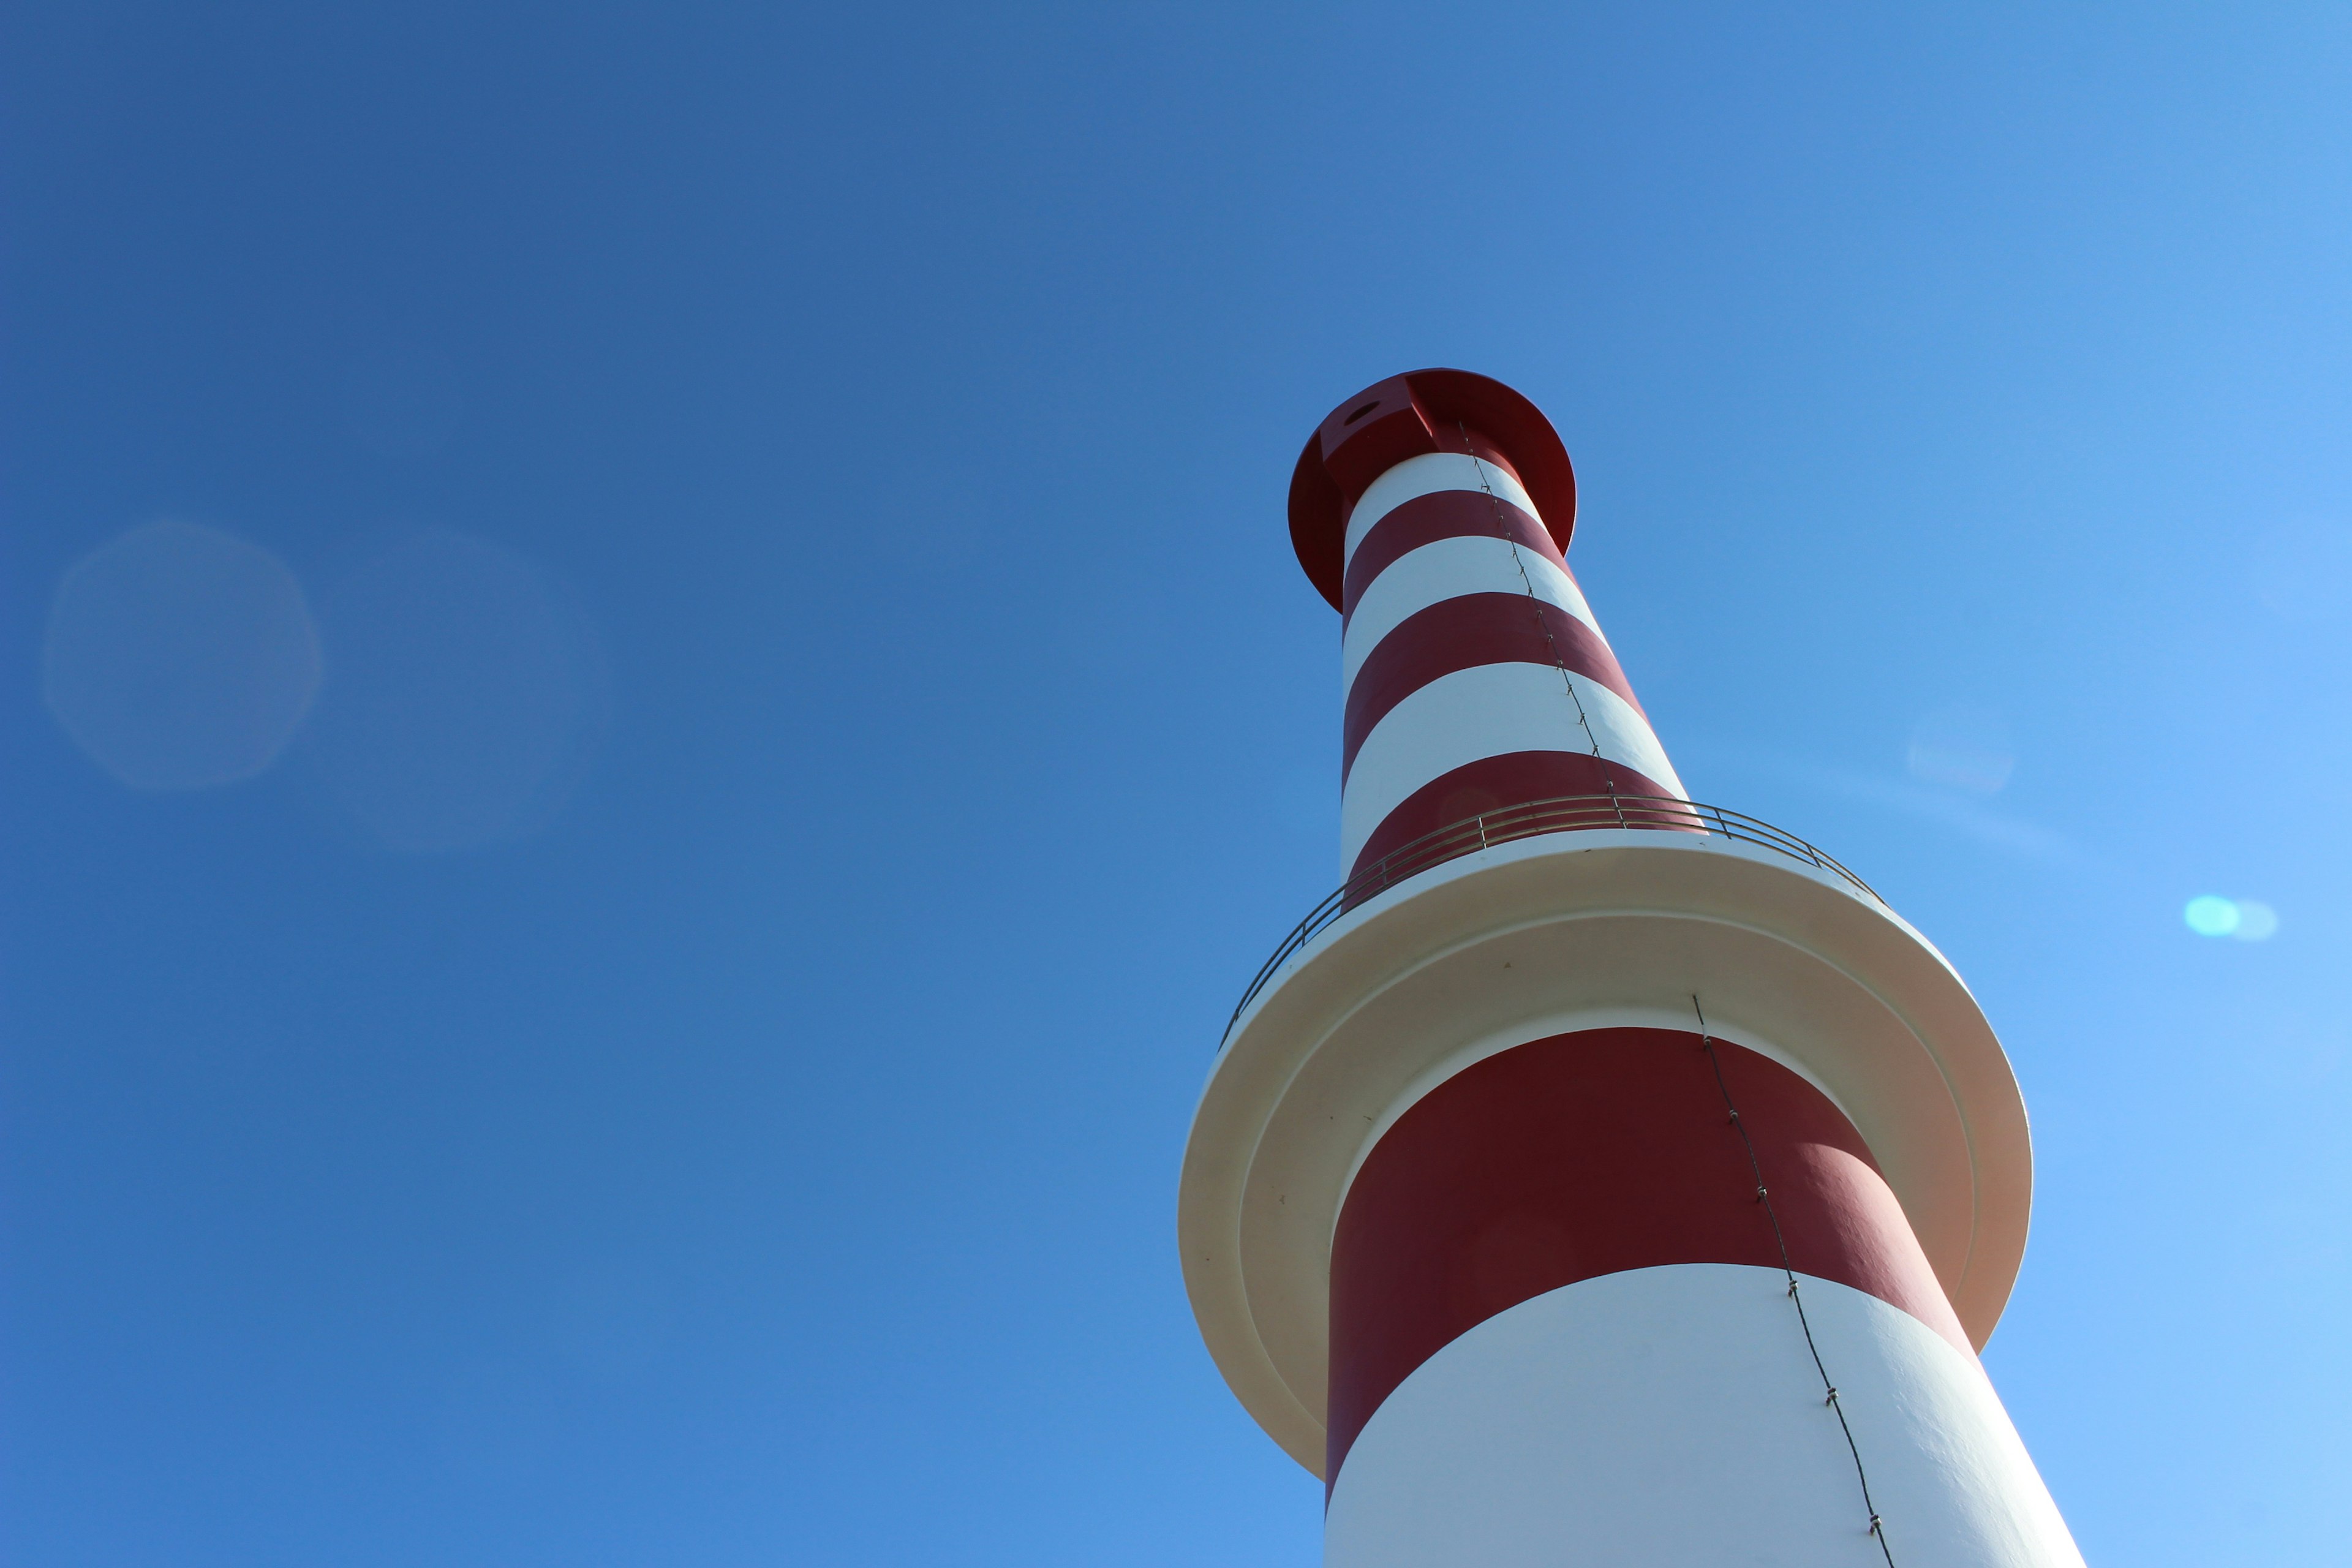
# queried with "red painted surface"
point(1441, 514)
point(1374, 431)
point(1423, 411)
point(1586, 1154)
point(1462, 632)
point(1511, 778)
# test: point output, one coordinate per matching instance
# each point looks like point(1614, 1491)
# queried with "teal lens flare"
point(2210, 916)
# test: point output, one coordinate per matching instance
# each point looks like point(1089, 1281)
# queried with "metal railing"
point(1563, 814)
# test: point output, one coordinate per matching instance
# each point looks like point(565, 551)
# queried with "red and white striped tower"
point(1598, 1178)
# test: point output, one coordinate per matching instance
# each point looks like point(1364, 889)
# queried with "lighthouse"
point(1598, 1176)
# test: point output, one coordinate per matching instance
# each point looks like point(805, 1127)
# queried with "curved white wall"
point(1672, 1418)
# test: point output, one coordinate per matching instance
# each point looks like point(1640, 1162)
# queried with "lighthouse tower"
point(1598, 1176)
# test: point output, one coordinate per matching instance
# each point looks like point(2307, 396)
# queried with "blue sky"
point(646, 1011)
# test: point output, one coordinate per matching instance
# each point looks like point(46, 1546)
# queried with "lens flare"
point(467, 693)
point(1966, 748)
point(2210, 916)
point(180, 657)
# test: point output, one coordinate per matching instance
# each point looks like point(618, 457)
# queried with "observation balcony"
point(1504, 825)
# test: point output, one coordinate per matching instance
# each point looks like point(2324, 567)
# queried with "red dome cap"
point(1405, 416)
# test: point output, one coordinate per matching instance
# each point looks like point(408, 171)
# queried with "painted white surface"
point(1427, 475)
point(1486, 712)
point(1673, 1418)
point(1448, 569)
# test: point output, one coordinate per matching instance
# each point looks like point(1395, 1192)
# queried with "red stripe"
point(1587, 1154)
point(1513, 778)
point(1441, 514)
point(1462, 632)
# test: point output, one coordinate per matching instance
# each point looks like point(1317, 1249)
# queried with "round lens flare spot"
point(2244, 919)
point(2210, 916)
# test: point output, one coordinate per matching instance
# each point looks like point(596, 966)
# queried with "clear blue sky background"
point(683, 1058)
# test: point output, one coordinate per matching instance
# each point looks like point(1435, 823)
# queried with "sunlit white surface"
point(1675, 1417)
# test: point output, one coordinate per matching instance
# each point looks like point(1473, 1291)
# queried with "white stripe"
point(1485, 712)
point(1670, 1418)
point(1448, 569)
point(1426, 475)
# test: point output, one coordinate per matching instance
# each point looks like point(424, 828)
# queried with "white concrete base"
point(1673, 1418)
